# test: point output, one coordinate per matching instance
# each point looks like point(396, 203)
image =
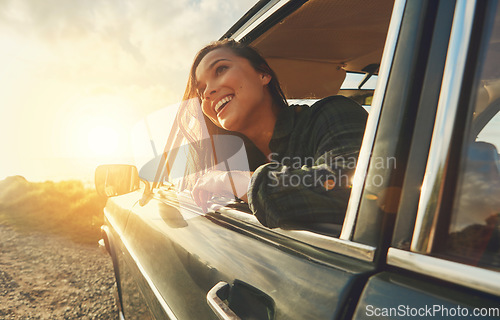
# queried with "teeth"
point(219, 104)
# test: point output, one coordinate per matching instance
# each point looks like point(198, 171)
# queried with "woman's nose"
point(209, 91)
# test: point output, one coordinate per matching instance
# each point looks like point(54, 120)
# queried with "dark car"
point(421, 237)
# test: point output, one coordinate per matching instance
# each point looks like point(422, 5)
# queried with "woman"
point(311, 151)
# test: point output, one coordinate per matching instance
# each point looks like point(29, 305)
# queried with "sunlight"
point(103, 141)
point(97, 125)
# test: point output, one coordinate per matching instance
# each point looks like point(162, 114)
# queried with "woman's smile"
point(222, 103)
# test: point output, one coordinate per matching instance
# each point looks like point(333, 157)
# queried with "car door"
point(445, 251)
point(178, 256)
point(182, 257)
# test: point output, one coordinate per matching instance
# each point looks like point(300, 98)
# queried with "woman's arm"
point(222, 183)
point(290, 194)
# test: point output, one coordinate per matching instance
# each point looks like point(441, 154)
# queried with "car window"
point(306, 77)
point(491, 132)
point(148, 138)
point(176, 167)
point(357, 86)
point(179, 173)
point(359, 81)
point(360, 88)
point(473, 235)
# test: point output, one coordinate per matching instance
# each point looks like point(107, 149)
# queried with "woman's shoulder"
point(328, 114)
point(337, 103)
point(332, 106)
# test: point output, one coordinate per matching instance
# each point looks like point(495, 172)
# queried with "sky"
point(77, 75)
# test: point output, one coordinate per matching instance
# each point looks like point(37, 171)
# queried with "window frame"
point(373, 121)
point(454, 91)
point(403, 101)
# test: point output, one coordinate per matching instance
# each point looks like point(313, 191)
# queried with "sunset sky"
point(77, 75)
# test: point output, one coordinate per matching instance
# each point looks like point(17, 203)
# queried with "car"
point(421, 235)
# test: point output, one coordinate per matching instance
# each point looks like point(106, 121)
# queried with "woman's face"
point(231, 90)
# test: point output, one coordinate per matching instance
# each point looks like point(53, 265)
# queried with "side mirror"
point(116, 179)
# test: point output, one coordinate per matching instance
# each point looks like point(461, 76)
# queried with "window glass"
point(362, 95)
point(474, 232)
point(148, 138)
point(176, 164)
point(353, 80)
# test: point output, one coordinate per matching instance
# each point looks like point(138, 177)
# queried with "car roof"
point(316, 42)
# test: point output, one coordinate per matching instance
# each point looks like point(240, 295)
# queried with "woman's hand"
point(219, 183)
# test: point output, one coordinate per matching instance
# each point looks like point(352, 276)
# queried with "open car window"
point(306, 77)
point(357, 86)
point(352, 73)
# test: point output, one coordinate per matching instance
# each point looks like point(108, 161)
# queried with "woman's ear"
point(265, 78)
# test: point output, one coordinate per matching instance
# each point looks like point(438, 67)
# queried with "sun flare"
point(103, 141)
point(98, 126)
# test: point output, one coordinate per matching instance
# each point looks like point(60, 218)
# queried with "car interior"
point(311, 55)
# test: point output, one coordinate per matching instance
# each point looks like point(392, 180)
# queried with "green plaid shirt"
point(314, 154)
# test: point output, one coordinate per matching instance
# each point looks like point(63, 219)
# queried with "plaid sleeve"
point(288, 197)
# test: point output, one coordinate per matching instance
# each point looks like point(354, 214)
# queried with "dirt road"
point(49, 277)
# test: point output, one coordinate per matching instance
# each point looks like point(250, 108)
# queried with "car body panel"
point(118, 208)
point(390, 295)
point(186, 254)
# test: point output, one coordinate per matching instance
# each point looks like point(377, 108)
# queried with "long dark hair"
point(190, 117)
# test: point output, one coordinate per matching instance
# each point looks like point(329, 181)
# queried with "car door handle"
point(215, 298)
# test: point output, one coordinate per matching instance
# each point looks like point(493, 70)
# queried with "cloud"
point(154, 37)
point(142, 43)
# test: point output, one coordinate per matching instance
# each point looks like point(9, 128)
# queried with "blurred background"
point(77, 75)
point(76, 78)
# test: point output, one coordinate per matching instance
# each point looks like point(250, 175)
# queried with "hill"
point(66, 208)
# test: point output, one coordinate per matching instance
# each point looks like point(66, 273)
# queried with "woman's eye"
point(220, 69)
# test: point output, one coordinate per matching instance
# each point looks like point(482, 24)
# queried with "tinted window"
point(474, 231)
